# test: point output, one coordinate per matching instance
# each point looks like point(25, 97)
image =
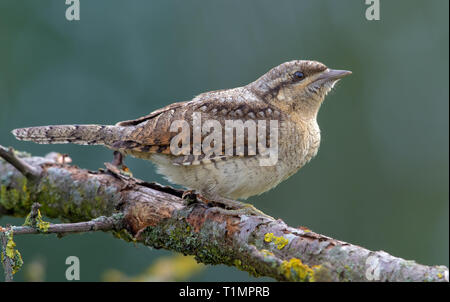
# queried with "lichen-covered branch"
point(157, 216)
point(98, 224)
point(8, 262)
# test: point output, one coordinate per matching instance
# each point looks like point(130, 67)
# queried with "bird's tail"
point(76, 134)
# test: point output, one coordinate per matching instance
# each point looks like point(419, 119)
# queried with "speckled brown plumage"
point(290, 94)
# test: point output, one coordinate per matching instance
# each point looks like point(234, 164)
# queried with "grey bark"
point(157, 216)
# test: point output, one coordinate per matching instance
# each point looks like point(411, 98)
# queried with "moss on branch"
point(157, 216)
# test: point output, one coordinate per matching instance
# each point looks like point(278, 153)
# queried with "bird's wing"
point(153, 133)
point(151, 115)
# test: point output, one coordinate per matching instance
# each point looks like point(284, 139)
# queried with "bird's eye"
point(298, 75)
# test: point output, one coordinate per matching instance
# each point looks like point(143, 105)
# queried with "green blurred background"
point(380, 179)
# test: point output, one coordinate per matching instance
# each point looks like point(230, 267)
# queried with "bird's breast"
point(298, 144)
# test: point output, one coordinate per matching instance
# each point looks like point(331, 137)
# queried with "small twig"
point(27, 170)
point(99, 224)
point(34, 213)
point(7, 262)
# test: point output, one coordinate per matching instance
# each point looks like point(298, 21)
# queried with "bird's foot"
point(224, 205)
point(190, 197)
point(117, 166)
point(233, 207)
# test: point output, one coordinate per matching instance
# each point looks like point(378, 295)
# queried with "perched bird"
point(281, 106)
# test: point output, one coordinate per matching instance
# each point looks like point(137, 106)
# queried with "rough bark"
point(157, 216)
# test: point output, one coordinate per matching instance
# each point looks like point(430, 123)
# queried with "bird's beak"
point(333, 74)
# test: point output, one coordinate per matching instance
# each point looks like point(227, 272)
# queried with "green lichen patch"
point(17, 198)
point(179, 236)
point(80, 204)
point(247, 268)
point(124, 235)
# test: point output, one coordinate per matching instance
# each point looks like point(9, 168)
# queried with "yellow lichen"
point(266, 253)
point(12, 253)
point(10, 247)
point(268, 237)
point(41, 224)
point(296, 270)
point(172, 268)
point(37, 222)
point(280, 242)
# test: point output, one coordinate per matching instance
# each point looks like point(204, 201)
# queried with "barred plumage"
point(289, 94)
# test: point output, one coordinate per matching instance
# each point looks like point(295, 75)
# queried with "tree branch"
point(157, 216)
point(28, 171)
point(7, 261)
point(98, 224)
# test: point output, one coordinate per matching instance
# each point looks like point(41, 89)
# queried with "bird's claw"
point(224, 205)
point(116, 166)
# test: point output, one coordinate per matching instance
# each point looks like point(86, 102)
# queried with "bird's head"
point(299, 86)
